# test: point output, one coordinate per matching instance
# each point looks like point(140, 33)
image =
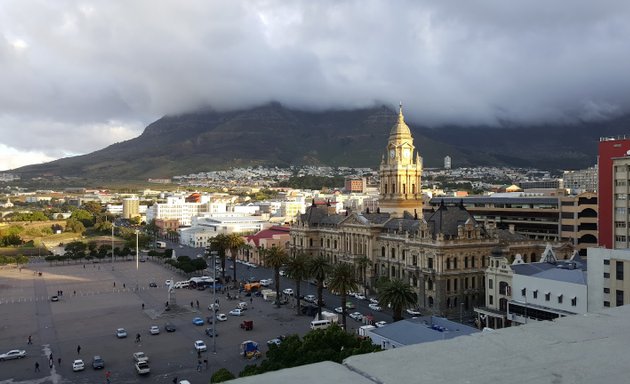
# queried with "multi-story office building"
point(442, 255)
point(607, 284)
point(578, 220)
point(131, 207)
point(354, 185)
point(583, 180)
point(611, 188)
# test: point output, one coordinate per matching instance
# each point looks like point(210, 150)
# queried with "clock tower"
point(400, 173)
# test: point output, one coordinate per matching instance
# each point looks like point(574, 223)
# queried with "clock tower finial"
point(400, 108)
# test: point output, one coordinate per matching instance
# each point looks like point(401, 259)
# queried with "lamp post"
point(461, 313)
point(113, 244)
point(137, 259)
point(213, 254)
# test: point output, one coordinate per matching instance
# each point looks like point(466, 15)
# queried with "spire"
point(400, 130)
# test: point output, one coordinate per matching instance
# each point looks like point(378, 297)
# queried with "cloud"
point(78, 76)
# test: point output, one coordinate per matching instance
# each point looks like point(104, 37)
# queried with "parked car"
point(339, 310)
point(200, 346)
point(373, 300)
point(98, 362)
point(375, 307)
point(154, 330)
point(197, 321)
point(168, 282)
point(236, 312)
point(283, 272)
point(288, 291)
point(266, 282)
point(140, 356)
point(121, 333)
point(413, 312)
point(242, 305)
point(356, 316)
point(54, 298)
point(13, 354)
point(170, 327)
point(78, 365)
point(222, 317)
point(276, 341)
point(210, 333)
point(380, 324)
point(153, 285)
point(213, 307)
point(350, 305)
point(360, 296)
point(142, 367)
point(310, 298)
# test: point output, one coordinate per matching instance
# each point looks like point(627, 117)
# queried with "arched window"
point(430, 301)
point(382, 251)
point(393, 254)
point(393, 188)
point(466, 262)
point(393, 271)
point(448, 263)
point(454, 262)
point(429, 285)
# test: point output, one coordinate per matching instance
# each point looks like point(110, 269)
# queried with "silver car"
point(13, 354)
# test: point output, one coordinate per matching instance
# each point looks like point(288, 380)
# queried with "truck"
point(160, 244)
point(333, 317)
point(363, 330)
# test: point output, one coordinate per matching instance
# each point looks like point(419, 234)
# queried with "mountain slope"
point(277, 136)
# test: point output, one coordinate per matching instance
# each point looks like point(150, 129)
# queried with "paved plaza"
point(97, 300)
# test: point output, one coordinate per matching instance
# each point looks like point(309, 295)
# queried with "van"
point(242, 305)
point(182, 284)
point(320, 324)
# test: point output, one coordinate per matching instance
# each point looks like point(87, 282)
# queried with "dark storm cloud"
point(97, 72)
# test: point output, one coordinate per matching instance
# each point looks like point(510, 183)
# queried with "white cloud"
point(97, 72)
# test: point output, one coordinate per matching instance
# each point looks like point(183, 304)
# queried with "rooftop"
point(578, 349)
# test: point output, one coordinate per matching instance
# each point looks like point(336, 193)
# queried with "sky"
point(77, 76)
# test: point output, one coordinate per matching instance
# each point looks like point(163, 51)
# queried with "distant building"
point(354, 185)
point(584, 180)
point(205, 228)
point(447, 162)
point(131, 207)
point(607, 284)
point(541, 184)
point(578, 220)
point(278, 236)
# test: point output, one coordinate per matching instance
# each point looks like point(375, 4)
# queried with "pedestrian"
point(124, 286)
point(50, 357)
point(199, 354)
point(36, 366)
point(108, 374)
point(59, 361)
point(78, 349)
point(198, 365)
point(197, 304)
point(143, 306)
point(191, 305)
point(175, 380)
point(137, 338)
point(30, 340)
point(205, 361)
point(114, 284)
point(83, 266)
point(50, 364)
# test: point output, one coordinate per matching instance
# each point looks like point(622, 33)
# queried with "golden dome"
point(400, 130)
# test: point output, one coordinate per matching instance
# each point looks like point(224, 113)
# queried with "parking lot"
point(97, 300)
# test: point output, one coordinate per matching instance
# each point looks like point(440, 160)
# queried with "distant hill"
point(277, 136)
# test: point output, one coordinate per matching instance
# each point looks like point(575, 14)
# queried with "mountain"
point(277, 136)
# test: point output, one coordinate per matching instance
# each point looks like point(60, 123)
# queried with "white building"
point(177, 208)
point(207, 227)
point(606, 281)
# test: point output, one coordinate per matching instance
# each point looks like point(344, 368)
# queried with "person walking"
point(59, 361)
point(205, 361)
point(199, 366)
point(197, 304)
point(36, 366)
point(175, 380)
point(137, 338)
point(108, 375)
point(78, 349)
point(30, 339)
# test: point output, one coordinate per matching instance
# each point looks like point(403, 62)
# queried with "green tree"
point(297, 270)
point(234, 242)
point(222, 375)
point(397, 294)
point(74, 225)
point(83, 216)
point(219, 244)
point(93, 207)
point(362, 263)
point(318, 269)
point(341, 281)
point(275, 257)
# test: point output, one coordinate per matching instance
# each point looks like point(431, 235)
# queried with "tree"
point(74, 225)
point(397, 294)
point(222, 375)
point(83, 216)
point(233, 242)
point(218, 243)
point(275, 257)
point(93, 207)
point(362, 263)
point(297, 270)
point(341, 281)
point(318, 269)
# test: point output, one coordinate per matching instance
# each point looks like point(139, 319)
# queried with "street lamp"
point(461, 313)
point(113, 244)
point(137, 259)
point(213, 254)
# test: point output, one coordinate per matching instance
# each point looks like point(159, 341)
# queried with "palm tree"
point(218, 243)
point(233, 242)
point(397, 294)
point(362, 263)
point(318, 269)
point(341, 281)
point(297, 269)
point(275, 257)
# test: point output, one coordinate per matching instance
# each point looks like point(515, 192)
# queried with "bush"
point(222, 375)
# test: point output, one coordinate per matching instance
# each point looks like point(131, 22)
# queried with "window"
point(455, 262)
point(619, 270)
point(574, 301)
point(547, 296)
point(383, 252)
point(606, 262)
point(560, 299)
point(524, 292)
point(472, 259)
point(455, 285)
point(430, 262)
point(535, 294)
point(466, 283)
point(490, 284)
point(606, 303)
point(448, 263)
point(393, 254)
point(466, 262)
point(402, 256)
point(606, 290)
point(414, 260)
point(619, 298)
point(606, 275)
point(335, 244)
point(310, 242)
point(448, 285)
point(490, 300)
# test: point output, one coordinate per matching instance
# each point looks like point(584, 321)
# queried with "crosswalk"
point(16, 300)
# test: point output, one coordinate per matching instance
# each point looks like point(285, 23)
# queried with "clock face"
point(392, 153)
point(406, 153)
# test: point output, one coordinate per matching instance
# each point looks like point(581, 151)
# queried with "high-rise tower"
point(400, 172)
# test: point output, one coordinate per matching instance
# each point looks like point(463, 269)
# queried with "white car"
point(288, 291)
point(373, 300)
point(168, 282)
point(380, 324)
point(121, 333)
point(360, 296)
point(78, 365)
point(266, 282)
point(140, 356)
point(375, 307)
point(200, 346)
point(357, 316)
point(154, 330)
point(221, 317)
point(13, 354)
point(413, 312)
point(236, 312)
point(310, 298)
point(142, 367)
point(339, 310)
